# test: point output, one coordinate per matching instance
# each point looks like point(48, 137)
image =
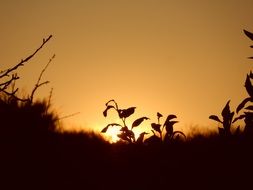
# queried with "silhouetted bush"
point(126, 133)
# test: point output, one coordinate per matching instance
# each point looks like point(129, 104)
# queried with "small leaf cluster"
point(164, 132)
point(126, 133)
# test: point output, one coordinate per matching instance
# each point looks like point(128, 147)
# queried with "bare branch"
point(42, 72)
point(12, 94)
point(4, 85)
point(23, 61)
point(7, 72)
point(14, 77)
point(49, 99)
point(39, 84)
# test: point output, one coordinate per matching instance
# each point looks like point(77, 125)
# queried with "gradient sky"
point(186, 57)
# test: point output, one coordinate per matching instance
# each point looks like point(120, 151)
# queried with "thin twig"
point(71, 115)
point(39, 84)
point(14, 96)
point(49, 100)
point(21, 63)
point(14, 77)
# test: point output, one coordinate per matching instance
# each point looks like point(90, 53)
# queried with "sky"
point(183, 57)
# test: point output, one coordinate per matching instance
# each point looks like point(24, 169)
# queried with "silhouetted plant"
point(167, 135)
point(250, 36)
point(248, 114)
point(126, 134)
point(227, 120)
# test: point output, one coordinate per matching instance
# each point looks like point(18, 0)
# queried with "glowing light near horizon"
point(112, 134)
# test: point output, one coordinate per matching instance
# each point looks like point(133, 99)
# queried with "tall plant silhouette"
point(126, 133)
point(248, 113)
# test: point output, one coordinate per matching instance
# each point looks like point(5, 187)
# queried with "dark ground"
point(34, 156)
point(77, 161)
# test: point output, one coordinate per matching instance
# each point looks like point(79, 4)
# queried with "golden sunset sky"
point(183, 57)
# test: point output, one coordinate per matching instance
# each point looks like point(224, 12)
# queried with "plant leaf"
point(137, 122)
point(231, 116)
point(242, 104)
point(125, 113)
point(239, 117)
point(249, 108)
point(248, 116)
point(127, 132)
point(156, 127)
point(248, 34)
point(170, 117)
point(104, 130)
point(249, 86)
point(169, 127)
point(141, 137)
point(251, 74)
point(107, 108)
point(226, 112)
point(159, 115)
point(124, 129)
point(124, 137)
point(215, 118)
point(109, 102)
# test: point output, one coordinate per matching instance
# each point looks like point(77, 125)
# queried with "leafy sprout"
point(226, 121)
point(126, 133)
point(164, 132)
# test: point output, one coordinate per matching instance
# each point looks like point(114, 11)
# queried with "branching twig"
point(71, 115)
point(4, 85)
point(12, 94)
point(39, 84)
point(21, 63)
point(14, 77)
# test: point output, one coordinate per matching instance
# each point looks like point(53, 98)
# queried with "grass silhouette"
point(37, 154)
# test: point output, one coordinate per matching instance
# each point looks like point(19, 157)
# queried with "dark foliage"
point(227, 119)
point(248, 110)
point(127, 134)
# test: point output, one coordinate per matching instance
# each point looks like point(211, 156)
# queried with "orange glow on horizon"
point(112, 134)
